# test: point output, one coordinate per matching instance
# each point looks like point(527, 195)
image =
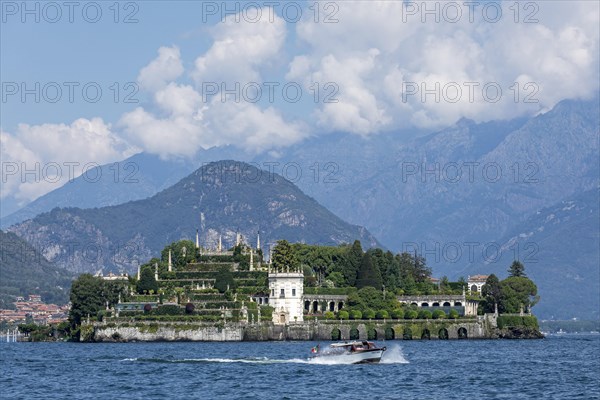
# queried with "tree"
point(421, 271)
point(224, 280)
point(517, 292)
point(517, 269)
point(182, 253)
point(368, 274)
point(86, 298)
point(353, 262)
point(147, 281)
point(285, 257)
point(445, 285)
point(491, 292)
point(337, 278)
point(413, 270)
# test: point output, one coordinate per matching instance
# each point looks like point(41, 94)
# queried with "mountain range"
point(224, 199)
point(455, 195)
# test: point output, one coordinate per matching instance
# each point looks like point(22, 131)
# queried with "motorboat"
point(356, 352)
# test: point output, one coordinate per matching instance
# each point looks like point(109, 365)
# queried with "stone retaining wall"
point(472, 328)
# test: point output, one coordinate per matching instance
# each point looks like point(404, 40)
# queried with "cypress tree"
point(517, 269)
point(354, 260)
point(147, 281)
point(369, 274)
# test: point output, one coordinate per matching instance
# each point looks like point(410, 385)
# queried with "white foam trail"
point(394, 355)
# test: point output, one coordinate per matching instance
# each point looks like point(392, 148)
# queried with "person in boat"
point(315, 349)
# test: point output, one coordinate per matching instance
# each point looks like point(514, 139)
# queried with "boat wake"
point(393, 355)
point(261, 360)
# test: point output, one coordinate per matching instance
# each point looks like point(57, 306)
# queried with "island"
point(195, 292)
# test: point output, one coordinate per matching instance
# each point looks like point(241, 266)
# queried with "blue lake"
point(558, 367)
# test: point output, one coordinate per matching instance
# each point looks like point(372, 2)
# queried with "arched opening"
point(407, 335)
point(474, 288)
point(447, 304)
point(426, 335)
point(462, 333)
point(436, 304)
point(315, 307)
point(354, 334)
point(457, 304)
point(282, 318)
point(372, 334)
point(340, 305)
point(336, 334)
point(424, 304)
point(443, 334)
point(390, 334)
point(414, 304)
point(332, 306)
point(307, 305)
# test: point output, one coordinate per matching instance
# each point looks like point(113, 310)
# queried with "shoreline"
point(464, 329)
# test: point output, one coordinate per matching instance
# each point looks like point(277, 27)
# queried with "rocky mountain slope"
point(221, 198)
point(559, 246)
point(24, 271)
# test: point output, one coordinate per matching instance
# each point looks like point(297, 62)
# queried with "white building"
point(476, 282)
point(286, 290)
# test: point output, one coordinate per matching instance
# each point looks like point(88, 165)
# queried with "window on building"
point(293, 292)
point(272, 292)
point(282, 294)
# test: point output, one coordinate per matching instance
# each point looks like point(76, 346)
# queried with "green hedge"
point(194, 275)
point(144, 298)
point(240, 282)
point(170, 309)
point(178, 318)
point(205, 266)
point(214, 305)
point(512, 321)
point(331, 291)
point(259, 290)
point(250, 274)
point(206, 297)
point(216, 259)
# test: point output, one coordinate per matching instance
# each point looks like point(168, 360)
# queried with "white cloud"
point(189, 125)
point(179, 132)
point(240, 48)
point(252, 128)
point(163, 69)
point(371, 53)
point(185, 122)
point(46, 156)
point(558, 55)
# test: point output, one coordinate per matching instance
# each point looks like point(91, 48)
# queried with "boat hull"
point(362, 357)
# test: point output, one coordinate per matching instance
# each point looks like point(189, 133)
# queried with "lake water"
point(558, 367)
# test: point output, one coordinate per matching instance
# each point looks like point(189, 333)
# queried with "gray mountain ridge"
point(221, 198)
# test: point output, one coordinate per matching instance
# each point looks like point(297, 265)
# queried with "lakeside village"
point(302, 292)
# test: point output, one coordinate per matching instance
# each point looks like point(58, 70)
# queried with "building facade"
point(476, 282)
point(286, 293)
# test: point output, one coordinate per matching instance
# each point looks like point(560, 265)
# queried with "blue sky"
point(374, 59)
